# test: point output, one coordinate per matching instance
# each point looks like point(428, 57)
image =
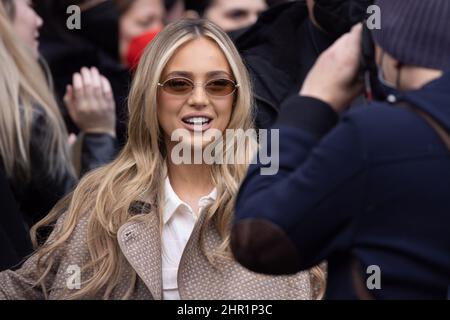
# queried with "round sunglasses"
point(184, 86)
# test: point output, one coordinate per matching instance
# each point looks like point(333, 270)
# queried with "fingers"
point(357, 29)
point(346, 52)
point(96, 84)
point(68, 97)
point(352, 38)
point(106, 88)
point(69, 93)
point(87, 83)
point(69, 90)
point(69, 101)
point(78, 86)
point(334, 76)
point(90, 102)
point(355, 37)
point(90, 89)
point(72, 139)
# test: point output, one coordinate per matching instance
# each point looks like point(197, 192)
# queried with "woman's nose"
point(198, 96)
point(39, 21)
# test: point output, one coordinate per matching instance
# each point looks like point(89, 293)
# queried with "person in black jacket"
point(368, 193)
point(34, 145)
point(95, 44)
point(283, 45)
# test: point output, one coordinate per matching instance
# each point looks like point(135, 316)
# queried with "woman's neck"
point(190, 182)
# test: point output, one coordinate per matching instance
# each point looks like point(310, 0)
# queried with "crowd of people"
point(95, 205)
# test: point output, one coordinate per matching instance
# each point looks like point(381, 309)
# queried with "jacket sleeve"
point(22, 284)
point(46, 186)
point(292, 220)
point(97, 150)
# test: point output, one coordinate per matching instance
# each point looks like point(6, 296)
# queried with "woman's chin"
point(196, 144)
point(190, 151)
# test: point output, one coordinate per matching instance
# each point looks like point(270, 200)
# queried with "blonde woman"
point(34, 150)
point(143, 227)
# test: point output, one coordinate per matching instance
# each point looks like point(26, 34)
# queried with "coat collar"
point(173, 202)
point(140, 242)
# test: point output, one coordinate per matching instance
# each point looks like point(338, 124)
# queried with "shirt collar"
point(173, 202)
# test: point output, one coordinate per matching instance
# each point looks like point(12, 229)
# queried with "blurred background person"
point(230, 15)
point(283, 45)
point(137, 17)
point(175, 10)
point(368, 189)
point(139, 22)
point(34, 144)
point(107, 28)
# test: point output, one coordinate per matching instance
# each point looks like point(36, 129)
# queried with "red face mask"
point(137, 47)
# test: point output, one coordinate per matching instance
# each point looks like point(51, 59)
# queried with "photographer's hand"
point(334, 77)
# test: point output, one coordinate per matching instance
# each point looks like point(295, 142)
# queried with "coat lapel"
point(140, 243)
point(197, 278)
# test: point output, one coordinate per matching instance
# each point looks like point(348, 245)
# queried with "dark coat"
point(37, 196)
point(279, 50)
point(14, 239)
point(375, 188)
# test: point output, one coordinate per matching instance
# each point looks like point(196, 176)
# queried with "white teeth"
point(197, 120)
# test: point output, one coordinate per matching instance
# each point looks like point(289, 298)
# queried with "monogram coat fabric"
point(140, 245)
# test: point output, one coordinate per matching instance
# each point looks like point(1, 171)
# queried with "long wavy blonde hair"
point(22, 85)
point(140, 168)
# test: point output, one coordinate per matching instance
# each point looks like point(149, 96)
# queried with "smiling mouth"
point(197, 123)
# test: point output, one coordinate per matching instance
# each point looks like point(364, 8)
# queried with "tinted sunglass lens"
point(178, 86)
point(221, 87)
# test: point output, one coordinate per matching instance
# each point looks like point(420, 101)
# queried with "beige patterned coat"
point(140, 244)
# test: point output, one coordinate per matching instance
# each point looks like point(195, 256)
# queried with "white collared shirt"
point(178, 222)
